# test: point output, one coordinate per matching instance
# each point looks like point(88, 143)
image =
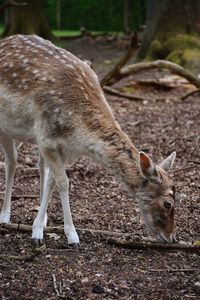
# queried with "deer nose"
point(171, 239)
point(174, 240)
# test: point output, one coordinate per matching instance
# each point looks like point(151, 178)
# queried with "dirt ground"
point(160, 124)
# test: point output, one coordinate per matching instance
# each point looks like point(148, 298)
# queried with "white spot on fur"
point(79, 79)
point(83, 73)
point(14, 75)
point(52, 92)
point(35, 71)
point(70, 66)
point(52, 79)
point(57, 110)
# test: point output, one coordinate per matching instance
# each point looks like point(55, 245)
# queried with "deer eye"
point(167, 205)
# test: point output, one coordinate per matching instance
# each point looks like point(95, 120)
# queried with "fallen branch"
point(115, 92)
point(60, 230)
point(163, 64)
point(113, 75)
point(154, 246)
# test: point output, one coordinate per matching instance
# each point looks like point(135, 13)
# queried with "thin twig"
point(24, 196)
point(115, 92)
point(20, 145)
point(58, 291)
point(173, 270)
point(28, 257)
point(183, 169)
point(55, 285)
point(194, 161)
point(190, 94)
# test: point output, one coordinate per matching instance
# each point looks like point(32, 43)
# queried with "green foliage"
point(98, 15)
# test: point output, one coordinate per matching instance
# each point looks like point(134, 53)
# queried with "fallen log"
point(135, 245)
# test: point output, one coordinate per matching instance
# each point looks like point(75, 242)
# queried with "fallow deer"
point(50, 97)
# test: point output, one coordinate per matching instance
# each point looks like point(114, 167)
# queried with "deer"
point(51, 98)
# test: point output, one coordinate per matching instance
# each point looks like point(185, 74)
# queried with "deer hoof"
point(37, 242)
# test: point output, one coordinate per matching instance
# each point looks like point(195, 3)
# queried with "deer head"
point(156, 197)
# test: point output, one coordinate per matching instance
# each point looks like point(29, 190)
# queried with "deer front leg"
point(56, 163)
point(10, 166)
point(44, 171)
point(41, 218)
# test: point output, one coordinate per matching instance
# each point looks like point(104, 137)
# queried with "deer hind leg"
point(57, 171)
point(8, 147)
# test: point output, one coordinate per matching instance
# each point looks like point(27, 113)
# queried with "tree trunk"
point(58, 14)
point(28, 19)
point(126, 16)
point(172, 31)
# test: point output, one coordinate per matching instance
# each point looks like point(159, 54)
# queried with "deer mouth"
point(167, 240)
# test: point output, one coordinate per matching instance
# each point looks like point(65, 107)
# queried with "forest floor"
point(96, 270)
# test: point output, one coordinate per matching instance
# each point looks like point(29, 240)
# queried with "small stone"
point(28, 161)
point(97, 289)
point(197, 284)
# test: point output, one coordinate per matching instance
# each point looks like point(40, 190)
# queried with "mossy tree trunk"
point(171, 28)
point(28, 19)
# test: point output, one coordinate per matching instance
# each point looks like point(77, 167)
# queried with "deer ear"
point(147, 166)
point(167, 163)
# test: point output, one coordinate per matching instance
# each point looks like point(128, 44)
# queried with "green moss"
point(176, 57)
point(191, 60)
point(159, 50)
point(154, 50)
point(128, 89)
point(187, 58)
point(181, 49)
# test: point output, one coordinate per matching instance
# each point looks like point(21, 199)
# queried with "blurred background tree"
point(27, 19)
point(171, 28)
point(173, 32)
point(38, 16)
point(96, 15)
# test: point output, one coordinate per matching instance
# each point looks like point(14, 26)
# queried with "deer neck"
point(119, 156)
